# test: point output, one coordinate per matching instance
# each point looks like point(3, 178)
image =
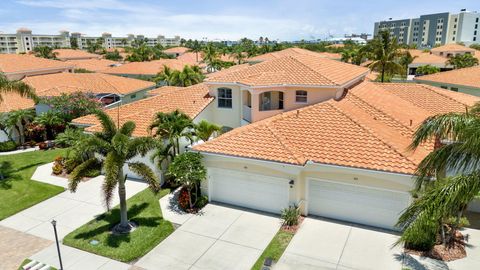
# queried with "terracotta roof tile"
point(294, 70)
point(369, 128)
point(146, 68)
point(92, 64)
point(190, 100)
point(179, 50)
point(426, 58)
point(12, 102)
point(464, 76)
point(453, 47)
point(69, 54)
point(11, 63)
point(55, 84)
point(292, 52)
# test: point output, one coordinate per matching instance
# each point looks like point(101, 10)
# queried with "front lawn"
point(17, 190)
point(143, 209)
point(275, 249)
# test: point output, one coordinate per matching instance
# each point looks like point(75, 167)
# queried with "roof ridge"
point(369, 130)
point(311, 69)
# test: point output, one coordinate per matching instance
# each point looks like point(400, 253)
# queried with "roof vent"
point(411, 122)
point(298, 113)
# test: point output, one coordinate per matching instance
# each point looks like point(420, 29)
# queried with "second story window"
point(301, 96)
point(224, 98)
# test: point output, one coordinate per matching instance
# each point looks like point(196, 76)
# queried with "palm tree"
point(205, 130)
point(18, 119)
point(164, 76)
point(196, 48)
point(238, 54)
point(405, 60)
point(18, 87)
point(383, 51)
point(210, 57)
point(51, 120)
point(462, 61)
point(186, 77)
point(45, 52)
point(172, 127)
point(114, 147)
point(457, 137)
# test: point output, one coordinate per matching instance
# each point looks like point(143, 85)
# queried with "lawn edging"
point(144, 209)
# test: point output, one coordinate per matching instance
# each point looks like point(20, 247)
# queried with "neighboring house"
point(144, 69)
point(247, 94)
point(193, 101)
point(427, 58)
point(292, 52)
point(18, 66)
point(13, 102)
point(453, 49)
point(95, 65)
point(176, 51)
point(465, 80)
point(71, 54)
point(109, 89)
point(344, 158)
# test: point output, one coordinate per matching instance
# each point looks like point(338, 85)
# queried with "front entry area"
point(259, 192)
point(358, 204)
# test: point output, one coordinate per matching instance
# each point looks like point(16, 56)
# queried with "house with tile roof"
point(291, 52)
point(148, 69)
point(18, 66)
point(345, 158)
point(465, 80)
point(249, 93)
point(94, 65)
point(452, 49)
point(72, 54)
point(176, 51)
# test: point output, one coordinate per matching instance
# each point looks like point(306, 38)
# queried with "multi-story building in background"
point(23, 41)
point(434, 29)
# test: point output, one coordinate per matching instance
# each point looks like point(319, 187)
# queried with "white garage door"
point(254, 191)
point(363, 205)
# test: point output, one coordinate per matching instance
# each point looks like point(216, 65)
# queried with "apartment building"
point(23, 41)
point(432, 30)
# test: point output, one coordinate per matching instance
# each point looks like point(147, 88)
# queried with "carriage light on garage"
point(291, 183)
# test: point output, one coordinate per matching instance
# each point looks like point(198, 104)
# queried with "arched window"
point(224, 97)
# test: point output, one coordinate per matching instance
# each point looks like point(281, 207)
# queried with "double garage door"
point(358, 204)
point(243, 189)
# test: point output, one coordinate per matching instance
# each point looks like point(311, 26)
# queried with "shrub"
point(57, 168)
point(70, 164)
point(7, 146)
point(201, 202)
point(290, 215)
point(183, 198)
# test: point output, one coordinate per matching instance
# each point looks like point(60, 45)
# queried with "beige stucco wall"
point(301, 174)
point(230, 117)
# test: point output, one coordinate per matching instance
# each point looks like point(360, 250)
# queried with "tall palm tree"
point(18, 119)
point(172, 127)
point(186, 77)
point(238, 54)
point(19, 87)
point(384, 51)
point(164, 76)
point(114, 147)
point(196, 48)
point(205, 130)
point(210, 57)
point(405, 60)
point(457, 152)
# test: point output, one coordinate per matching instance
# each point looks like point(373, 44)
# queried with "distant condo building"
point(24, 41)
point(432, 30)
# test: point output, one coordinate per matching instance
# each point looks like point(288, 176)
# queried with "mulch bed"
point(293, 229)
point(440, 252)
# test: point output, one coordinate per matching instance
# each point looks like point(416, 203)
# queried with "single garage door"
point(358, 204)
point(248, 190)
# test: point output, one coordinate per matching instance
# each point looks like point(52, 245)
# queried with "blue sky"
point(215, 19)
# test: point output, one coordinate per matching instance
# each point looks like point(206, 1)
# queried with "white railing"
point(247, 113)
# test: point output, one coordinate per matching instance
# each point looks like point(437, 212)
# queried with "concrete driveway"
point(220, 237)
point(321, 244)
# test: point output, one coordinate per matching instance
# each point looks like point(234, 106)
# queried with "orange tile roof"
point(226, 71)
point(453, 47)
point(426, 58)
point(12, 102)
point(149, 68)
point(370, 128)
point(92, 64)
point(300, 69)
point(190, 100)
point(55, 84)
point(465, 76)
point(179, 50)
point(163, 90)
point(69, 54)
point(292, 52)
point(12, 63)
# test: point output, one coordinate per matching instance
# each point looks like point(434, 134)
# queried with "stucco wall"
point(461, 88)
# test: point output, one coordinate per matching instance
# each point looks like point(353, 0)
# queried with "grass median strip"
point(143, 209)
point(275, 249)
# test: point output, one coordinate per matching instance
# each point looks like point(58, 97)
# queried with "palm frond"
point(146, 173)
point(127, 128)
point(79, 172)
point(108, 126)
point(140, 146)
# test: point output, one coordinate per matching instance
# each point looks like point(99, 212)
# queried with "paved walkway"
point(71, 210)
point(218, 238)
point(170, 209)
point(19, 151)
point(16, 246)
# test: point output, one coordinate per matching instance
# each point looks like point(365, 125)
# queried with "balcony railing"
point(247, 113)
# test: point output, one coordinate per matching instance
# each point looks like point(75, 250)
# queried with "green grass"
point(275, 249)
point(144, 209)
point(27, 261)
point(17, 190)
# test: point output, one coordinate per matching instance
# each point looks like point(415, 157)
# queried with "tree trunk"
point(383, 73)
point(123, 200)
